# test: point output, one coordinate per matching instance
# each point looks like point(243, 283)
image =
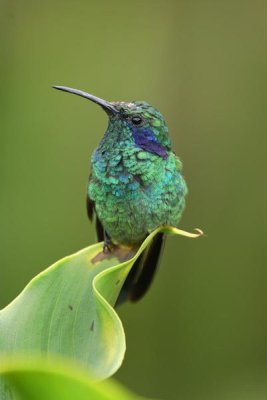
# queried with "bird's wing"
point(91, 213)
point(90, 205)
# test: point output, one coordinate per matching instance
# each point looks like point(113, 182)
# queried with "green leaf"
point(67, 309)
point(36, 379)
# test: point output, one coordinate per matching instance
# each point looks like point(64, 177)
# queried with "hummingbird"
point(135, 185)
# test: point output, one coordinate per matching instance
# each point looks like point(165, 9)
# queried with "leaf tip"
point(199, 232)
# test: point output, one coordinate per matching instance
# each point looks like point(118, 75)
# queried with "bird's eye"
point(137, 119)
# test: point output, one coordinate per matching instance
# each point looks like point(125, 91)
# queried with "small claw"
point(107, 247)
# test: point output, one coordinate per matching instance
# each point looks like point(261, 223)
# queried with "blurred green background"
point(201, 331)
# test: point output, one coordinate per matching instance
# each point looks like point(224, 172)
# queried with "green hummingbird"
point(135, 184)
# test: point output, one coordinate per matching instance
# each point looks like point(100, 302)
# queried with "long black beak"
point(108, 107)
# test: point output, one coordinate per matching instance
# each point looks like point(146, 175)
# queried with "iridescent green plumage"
point(135, 191)
point(135, 183)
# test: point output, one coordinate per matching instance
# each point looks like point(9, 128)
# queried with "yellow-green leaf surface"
point(68, 309)
point(39, 380)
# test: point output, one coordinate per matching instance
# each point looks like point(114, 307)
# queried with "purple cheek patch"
point(145, 139)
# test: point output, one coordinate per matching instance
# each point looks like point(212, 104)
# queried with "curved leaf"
point(67, 309)
point(24, 380)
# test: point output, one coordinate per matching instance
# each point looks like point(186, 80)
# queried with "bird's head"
point(137, 120)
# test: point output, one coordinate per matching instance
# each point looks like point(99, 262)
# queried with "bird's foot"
point(108, 245)
point(107, 248)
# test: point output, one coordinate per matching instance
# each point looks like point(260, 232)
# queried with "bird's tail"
point(142, 273)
